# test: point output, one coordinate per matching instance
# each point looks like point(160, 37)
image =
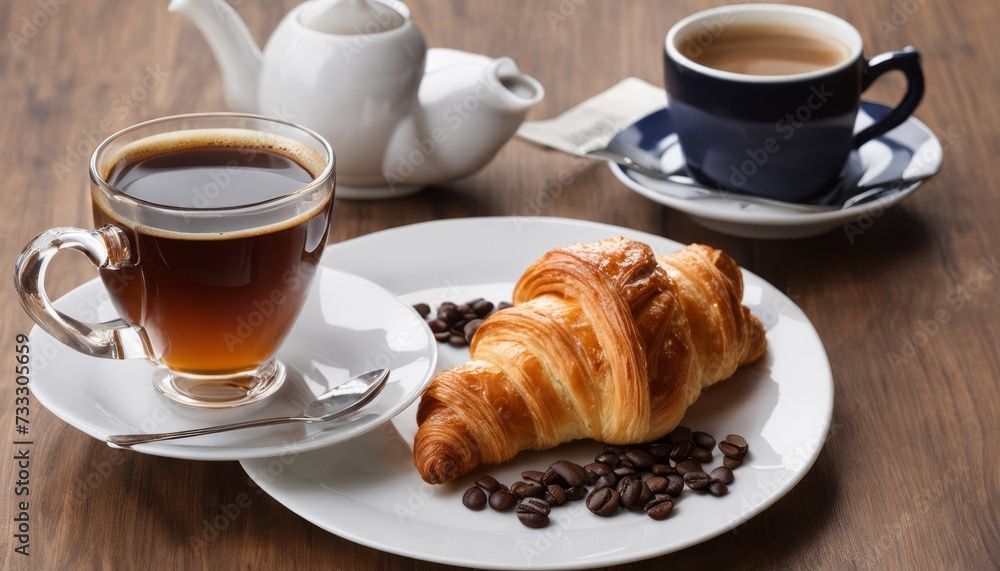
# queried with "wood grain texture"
point(905, 480)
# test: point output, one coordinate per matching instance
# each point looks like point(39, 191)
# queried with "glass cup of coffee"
point(764, 97)
point(210, 228)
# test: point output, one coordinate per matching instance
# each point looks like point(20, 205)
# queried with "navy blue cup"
point(785, 137)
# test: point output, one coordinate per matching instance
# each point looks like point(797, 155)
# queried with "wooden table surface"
point(904, 480)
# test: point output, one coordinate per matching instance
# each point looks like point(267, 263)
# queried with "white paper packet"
point(591, 125)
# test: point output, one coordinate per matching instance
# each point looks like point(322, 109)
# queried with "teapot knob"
point(353, 17)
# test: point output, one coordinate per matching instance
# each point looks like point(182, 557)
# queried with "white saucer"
point(368, 491)
point(908, 151)
point(348, 325)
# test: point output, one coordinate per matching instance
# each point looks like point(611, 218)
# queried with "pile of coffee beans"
point(616, 479)
point(456, 324)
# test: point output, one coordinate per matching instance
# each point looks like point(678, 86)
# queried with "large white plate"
point(348, 325)
point(368, 491)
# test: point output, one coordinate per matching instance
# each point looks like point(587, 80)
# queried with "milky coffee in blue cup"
point(764, 97)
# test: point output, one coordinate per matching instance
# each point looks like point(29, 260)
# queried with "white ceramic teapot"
point(399, 116)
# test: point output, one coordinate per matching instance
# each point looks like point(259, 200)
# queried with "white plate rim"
point(823, 370)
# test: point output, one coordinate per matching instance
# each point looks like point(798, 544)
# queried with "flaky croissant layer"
point(605, 341)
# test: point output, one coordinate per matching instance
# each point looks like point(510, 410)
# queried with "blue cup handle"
point(907, 61)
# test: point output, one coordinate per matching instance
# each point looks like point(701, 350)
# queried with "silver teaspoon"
point(338, 402)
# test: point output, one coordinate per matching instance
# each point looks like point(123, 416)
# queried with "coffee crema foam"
point(220, 138)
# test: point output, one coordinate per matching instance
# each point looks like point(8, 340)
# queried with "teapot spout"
point(234, 48)
point(468, 107)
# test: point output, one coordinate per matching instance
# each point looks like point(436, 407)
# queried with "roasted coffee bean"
point(609, 479)
point(464, 308)
point(685, 466)
point(717, 488)
point(437, 326)
point(482, 308)
point(571, 473)
point(675, 485)
point(641, 460)
point(625, 471)
point(680, 434)
point(660, 451)
point(552, 477)
point(663, 469)
point(488, 483)
point(555, 495)
point(442, 337)
point(734, 446)
point(528, 490)
point(624, 462)
point(576, 493)
point(681, 450)
point(457, 341)
point(703, 440)
point(701, 455)
point(609, 458)
point(697, 480)
point(656, 484)
point(624, 481)
point(723, 474)
point(597, 469)
point(471, 328)
point(533, 512)
point(448, 312)
point(502, 500)
point(635, 494)
point(731, 463)
point(615, 449)
point(533, 475)
point(604, 501)
point(659, 507)
point(474, 498)
point(467, 317)
point(458, 328)
point(504, 305)
point(423, 309)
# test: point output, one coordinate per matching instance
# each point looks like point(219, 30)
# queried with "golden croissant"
point(605, 341)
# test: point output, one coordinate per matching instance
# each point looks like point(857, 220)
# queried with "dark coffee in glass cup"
point(210, 230)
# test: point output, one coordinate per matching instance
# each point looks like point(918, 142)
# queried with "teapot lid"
point(353, 17)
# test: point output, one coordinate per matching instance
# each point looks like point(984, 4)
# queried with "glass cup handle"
point(106, 248)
